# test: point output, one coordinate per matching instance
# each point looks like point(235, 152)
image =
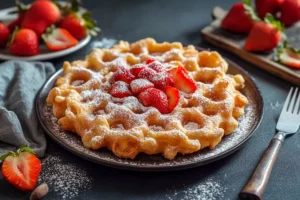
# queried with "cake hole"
point(191, 125)
point(192, 121)
point(215, 96)
point(80, 78)
point(190, 104)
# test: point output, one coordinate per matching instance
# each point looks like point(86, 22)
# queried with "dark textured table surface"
point(71, 177)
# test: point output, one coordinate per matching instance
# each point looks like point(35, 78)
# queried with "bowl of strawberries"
point(44, 30)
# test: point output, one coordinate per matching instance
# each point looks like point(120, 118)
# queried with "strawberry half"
point(136, 69)
point(120, 89)
point(21, 168)
point(57, 39)
point(139, 85)
point(240, 18)
point(264, 36)
point(173, 97)
point(147, 73)
point(182, 81)
point(149, 60)
point(157, 66)
point(156, 98)
point(162, 80)
point(122, 74)
point(287, 55)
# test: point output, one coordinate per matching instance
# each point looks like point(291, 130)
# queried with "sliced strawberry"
point(173, 97)
point(120, 89)
point(157, 66)
point(57, 39)
point(122, 74)
point(174, 71)
point(149, 60)
point(162, 80)
point(139, 85)
point(156, 98)
point(147, 73)
point(287, 55)
point(136, 69)
point(182, 81)
point(21, 168)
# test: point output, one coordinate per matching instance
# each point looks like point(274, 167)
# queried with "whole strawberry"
point(264, 35)
point(290, 12)
point(24, 42)
point(4, 35)
point(240, 18)
point(21, 168)
point(267, 6)
point(79, 26)
point(41, 15)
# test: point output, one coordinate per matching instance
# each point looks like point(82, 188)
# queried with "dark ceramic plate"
point(247, 125)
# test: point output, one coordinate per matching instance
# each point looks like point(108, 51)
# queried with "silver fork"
point(287, 124)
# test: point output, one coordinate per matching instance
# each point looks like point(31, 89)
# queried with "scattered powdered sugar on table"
point(208, 190)
point(65, 179)
point(104, 43)
point(276, 105)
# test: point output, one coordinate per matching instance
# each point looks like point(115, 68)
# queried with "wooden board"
point(235, 42)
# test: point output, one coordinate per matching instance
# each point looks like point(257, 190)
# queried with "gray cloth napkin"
point(19, 83)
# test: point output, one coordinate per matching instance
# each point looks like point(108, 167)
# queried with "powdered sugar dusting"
point(104, 43)
point(65, 179)
point(208, 190)
point(191, 126)
point(276, 105)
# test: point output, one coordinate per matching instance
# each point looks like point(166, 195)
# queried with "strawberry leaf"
point(27, 149)
point(90, 24)
point(4, 156)
point(249, 9)
point(271, 20)
point(279, 50)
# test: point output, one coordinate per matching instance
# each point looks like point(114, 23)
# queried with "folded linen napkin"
point(19, 83)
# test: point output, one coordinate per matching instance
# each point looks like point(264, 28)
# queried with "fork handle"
point(256, 186)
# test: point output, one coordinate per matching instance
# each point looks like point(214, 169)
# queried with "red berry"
point(139, 85)
point(156, 98)
point(149, 60)
point(21, 169)
point(122, 74)
point(24, 43)
point(120, 89)
point(182, 81)
point(147, 73)
point(4, 35)
point(162, 80)
point(136, 69)
point(173, 97)
point(75, 25)
point(157, 66)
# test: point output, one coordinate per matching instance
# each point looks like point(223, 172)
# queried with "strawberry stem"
point(23, 148)
point(271, 20)
point(249, 9)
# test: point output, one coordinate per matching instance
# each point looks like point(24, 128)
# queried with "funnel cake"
point(82, 101)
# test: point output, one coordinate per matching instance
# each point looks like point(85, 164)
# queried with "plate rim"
point(179, 166)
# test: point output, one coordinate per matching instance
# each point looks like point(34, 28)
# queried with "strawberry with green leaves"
point(240, 18)
point(21, 168)
point(24, 42)
point(265, 35)
point(79, 25)
point(287, 55)
point(40, 16)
